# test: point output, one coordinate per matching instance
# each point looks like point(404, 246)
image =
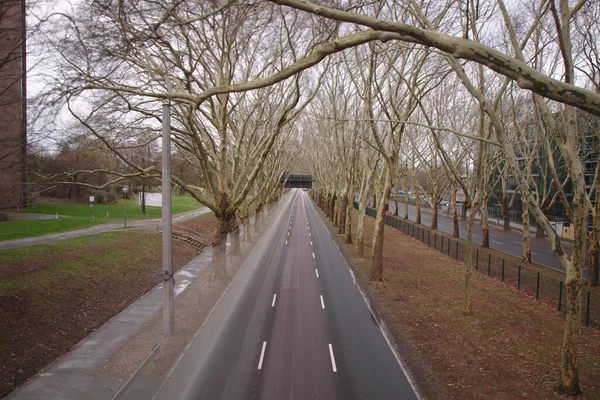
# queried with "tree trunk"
point(235, 238)
point(463, 211)
point(418, 204)
point(571, 338)
point(594, 250)
point(485, 226)
point(257, 217)
point(332, 209)
point(455, 226)
point(348, 222)
point(219, 260)
point(342, 213)
point(526, 257)
point(363, 198)
point(434, 217)
point(396, 206)
point(506, 218)
point(468, 289)
point(143, 199)
point(246, 222)
point(377, 249)
point(539, 232)
point(405, 203)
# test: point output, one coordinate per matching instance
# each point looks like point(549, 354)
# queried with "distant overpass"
point(296, 181)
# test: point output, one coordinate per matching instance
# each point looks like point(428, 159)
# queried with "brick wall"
point(13, 135)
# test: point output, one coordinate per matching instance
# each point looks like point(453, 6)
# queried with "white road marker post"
point(167, 225)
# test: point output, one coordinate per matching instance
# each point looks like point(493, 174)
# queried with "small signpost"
point(92, 199)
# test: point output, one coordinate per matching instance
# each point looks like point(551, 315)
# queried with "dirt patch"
point(23, 267)
point(509, 349)
point(48, 310)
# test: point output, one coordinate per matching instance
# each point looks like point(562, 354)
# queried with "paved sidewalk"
point(108, 227)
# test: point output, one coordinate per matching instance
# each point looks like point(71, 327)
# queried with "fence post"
point(587, 312)
point(519, 278)
point(537, 287)
point(435, 240)
point(489, 263)
point(560, 296)
point(428, 238)
point(457, 249)
point(442, 244)
point(503, 270)
point(448, 246)
point(476, 258)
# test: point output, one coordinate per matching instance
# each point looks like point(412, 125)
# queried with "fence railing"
point(529, 278)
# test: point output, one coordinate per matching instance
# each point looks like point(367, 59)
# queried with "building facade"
point(13, 104)
point(589, 154)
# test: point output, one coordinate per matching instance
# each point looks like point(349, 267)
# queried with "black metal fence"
point(529, 278)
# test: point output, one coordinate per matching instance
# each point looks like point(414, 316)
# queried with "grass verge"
point(53, 295)
point(77, 216)
point(509, 349)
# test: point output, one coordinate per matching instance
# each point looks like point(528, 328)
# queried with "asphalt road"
point(292, 325)
point(507, 242)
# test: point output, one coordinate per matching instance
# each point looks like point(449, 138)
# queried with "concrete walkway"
point(108, 227)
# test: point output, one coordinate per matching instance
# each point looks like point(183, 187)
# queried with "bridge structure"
point(293, 181)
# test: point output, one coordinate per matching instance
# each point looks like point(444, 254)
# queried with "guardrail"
point(187, 234)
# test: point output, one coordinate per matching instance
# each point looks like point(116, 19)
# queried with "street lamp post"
point(167, 226)
point(125, 190)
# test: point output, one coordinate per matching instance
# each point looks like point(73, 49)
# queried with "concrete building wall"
point(13, 117)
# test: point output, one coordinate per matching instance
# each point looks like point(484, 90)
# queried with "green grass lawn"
point(76, 216)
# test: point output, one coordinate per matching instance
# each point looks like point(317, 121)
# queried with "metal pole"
point(124, 211)
point(167, 245)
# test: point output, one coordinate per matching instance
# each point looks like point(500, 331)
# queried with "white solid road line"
point(322, 303)
point(497, 242)
point(313, 255)
point(330, 355)
point(317, 272)
point(274, 298)
point(262, 355)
